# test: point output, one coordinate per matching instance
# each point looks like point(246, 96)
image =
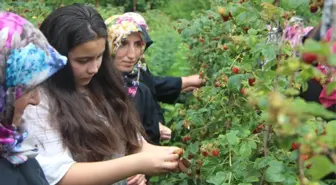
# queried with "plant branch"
point(301, 171)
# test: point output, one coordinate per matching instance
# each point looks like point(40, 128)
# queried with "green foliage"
point(166, 56)
point(178, 9)
point(233, 116)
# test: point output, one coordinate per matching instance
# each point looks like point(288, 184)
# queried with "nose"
point(93, 67)
point(131, 52)
point(34, 97)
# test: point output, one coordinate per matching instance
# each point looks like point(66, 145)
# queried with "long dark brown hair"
point(84, 132)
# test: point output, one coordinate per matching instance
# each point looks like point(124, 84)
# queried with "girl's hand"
point(158, 161)
point(139, 179)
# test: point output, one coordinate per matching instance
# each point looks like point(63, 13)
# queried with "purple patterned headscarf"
point(26, 60)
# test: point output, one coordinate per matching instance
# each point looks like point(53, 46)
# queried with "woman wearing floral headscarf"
point(26, 60)
point(128, 36)
point(129, 39)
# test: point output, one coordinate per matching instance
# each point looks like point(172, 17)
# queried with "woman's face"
point(30, 98)
point(85, 60)
point(129, 52)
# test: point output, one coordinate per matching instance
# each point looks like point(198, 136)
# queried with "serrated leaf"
point(331, 87)
point(218, 179)
point(261, 163)
point(312, 108)
point(252, 144)
point(321, 166)
point(330, 137)
point(269, 52)
point(313, 46)
point(232, 138)
point(245, 149)
point(194, 147)
point(267, 1)
point(234, 82)
point(251, 179)
point(274, 173)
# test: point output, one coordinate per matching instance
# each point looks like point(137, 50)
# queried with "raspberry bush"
point(247, 125)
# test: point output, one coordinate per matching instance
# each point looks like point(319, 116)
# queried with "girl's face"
point(30, 98)
point(129, 52)
point(85, 60)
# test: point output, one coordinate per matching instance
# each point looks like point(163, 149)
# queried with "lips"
point(87, 79)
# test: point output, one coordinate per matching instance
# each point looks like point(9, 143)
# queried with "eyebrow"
point(134, 41)
point(85, 57)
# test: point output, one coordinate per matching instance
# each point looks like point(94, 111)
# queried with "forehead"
point(90, 48)
point(134, 36)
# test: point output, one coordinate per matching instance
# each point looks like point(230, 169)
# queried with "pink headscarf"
point(328, 100)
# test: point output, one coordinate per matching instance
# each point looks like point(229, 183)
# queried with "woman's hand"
point(139, 179)
point(192, 82)
point(165, 132)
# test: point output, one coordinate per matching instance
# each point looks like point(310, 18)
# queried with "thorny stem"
point(301, 171)
point(276, 3)
point(230, 163)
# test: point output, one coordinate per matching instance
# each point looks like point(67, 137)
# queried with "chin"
point(126, 70)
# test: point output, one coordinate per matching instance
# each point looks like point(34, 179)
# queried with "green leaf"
point(321, 166)
point(290, 4)
point(234, 82)
point(193, 148)
point(261, 163)
point(267, 1)
point(245, 149)
point(218, 179)
point(274, 173)
point(251, 179)
point(252, 144)
point(312, 108)
point(332, 60)
point(269, 52)
point(331, 87)
point(232, 138)
point(316, 47)
point(330, 137)
point(285, 142)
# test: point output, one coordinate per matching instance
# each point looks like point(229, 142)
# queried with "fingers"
point(183, 165)
point(165, 137)
point(169, 149)
point(139, 179)
point(188, 89)
point(165, 133)
point(170, 165)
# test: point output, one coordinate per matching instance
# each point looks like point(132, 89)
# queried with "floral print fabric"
point(26, 60)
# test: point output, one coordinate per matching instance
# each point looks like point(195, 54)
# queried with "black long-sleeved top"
point(148, 112)
point(163, 89)
point(313, 93)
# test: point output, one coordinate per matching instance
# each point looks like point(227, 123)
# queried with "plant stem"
point(230, 163)
point(301, 171)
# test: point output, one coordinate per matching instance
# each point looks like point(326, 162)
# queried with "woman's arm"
point(60, 168)
point(105, 172)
